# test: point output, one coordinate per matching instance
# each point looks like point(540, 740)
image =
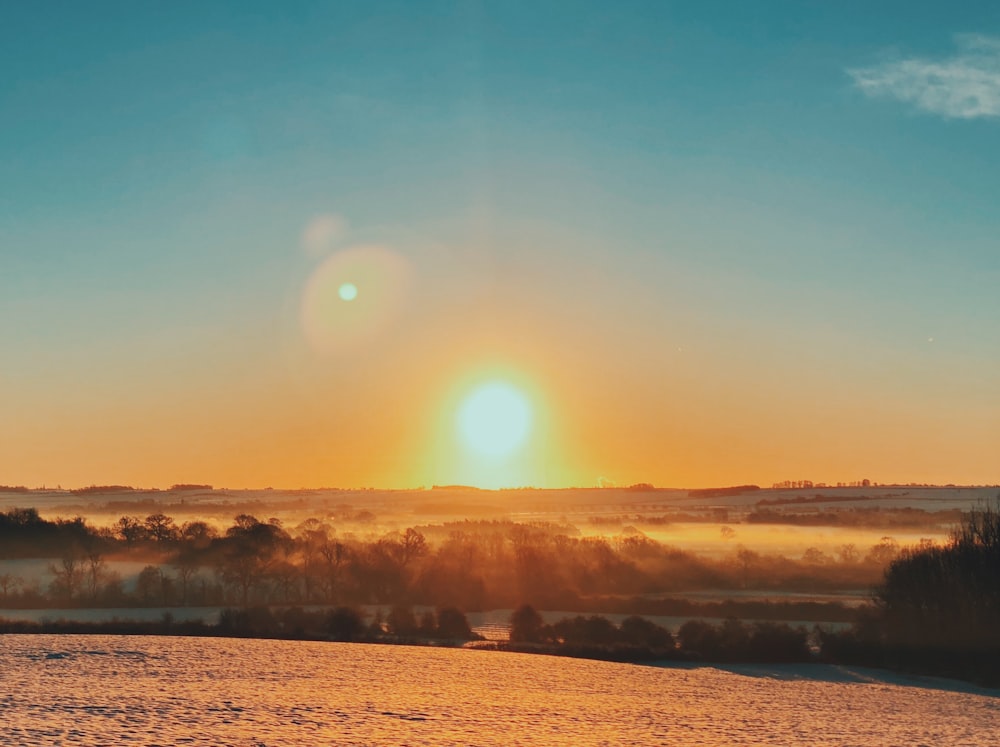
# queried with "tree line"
point(471, 565)
point(639, 639)
point(937, 609)
point(446, 626)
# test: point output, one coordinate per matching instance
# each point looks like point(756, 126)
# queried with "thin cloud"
point(965, 85)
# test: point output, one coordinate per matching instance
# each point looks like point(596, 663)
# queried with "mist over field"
point(605, 549)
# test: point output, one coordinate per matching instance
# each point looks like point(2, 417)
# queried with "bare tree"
point(68, 575)
point(848, 553)
point(95, 571)
point(8, 583)
point(335, 557)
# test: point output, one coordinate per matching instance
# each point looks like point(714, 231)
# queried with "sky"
point(701, 243)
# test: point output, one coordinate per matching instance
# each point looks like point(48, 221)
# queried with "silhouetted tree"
point(884, 552)
point(848, 553)
point(638, 631)
point(160, 528)
point(428, 624)
point(248, 549)
point(8, 583)
point(594, 630)
point(336, 556)
point(401, 621)
point(526, 625)
point(312, 536)
point(345, 624)
point(746, 560)
point(96, 570)
point(131, 530)
point(452, 624)
point(700, 637)
point(149, 586)
point(68, 574)
point(777, 642)
point(947, 596)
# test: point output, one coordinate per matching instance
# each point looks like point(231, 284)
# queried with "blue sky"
point(804, 192)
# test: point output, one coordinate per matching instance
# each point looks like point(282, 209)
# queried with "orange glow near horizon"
point(491, 429)
point(361, 384)
point(322, 421)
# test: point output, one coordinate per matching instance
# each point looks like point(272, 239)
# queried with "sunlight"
point(492, 426)
point(495, 419)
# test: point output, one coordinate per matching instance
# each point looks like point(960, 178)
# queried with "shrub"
point(345, 624)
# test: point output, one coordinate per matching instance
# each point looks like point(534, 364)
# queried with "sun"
point(494, 420)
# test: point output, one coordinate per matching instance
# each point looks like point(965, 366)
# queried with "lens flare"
point(373, 279)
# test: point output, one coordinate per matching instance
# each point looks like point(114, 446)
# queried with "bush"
point(345, 624)
point(734, 641)
point(452, 623)
point(526, 625)
point(593, 631)
point(699, 637)
point(638, 631)
point(775, 642)
point(402, 622)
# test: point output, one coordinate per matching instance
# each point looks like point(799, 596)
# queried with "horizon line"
point(634, 487)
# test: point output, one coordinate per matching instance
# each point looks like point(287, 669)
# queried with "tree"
point(198, 534)
point(68, 575)
point(815, 556)
point(700, 637)
point(312, 536)
point(345, 624)
point(734, 638)
point(526, 625)
point(186, 564)
point(638, 631)
point(589, 631)
point(947, 596)
point(131, 530)
point(413, 545)
point(848, 553)
point(249, 549)
point(401, 621)
point(428, 624)
point(884, 552)
point(9, 582)
point(745, 560)
point(778, 642)
point(96, 570)
point(335, 556)
point(286, 579)
point(160, 528)
point(149, 585)
point(452, 623)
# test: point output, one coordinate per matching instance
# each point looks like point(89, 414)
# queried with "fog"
point(613, 550)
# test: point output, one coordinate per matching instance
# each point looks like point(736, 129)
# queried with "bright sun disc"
point(494, 419)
